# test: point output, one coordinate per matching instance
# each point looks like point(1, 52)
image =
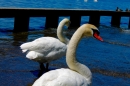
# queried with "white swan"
point(78, 74)
point(46, 49)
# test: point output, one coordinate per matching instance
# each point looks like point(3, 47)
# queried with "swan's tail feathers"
point(24, 51)
point(25, 47)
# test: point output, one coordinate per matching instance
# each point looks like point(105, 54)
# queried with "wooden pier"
point(22, 15)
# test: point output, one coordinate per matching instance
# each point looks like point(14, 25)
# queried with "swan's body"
point(46, 49)
point(52, 49)
point(78, 74)
point(61, 77)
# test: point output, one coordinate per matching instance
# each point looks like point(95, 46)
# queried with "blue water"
point(76, 4)
point(109, 60)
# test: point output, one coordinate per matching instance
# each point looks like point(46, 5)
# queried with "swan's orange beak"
point(96, 35)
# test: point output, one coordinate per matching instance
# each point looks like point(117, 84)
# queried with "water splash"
point(95, 0)
point(85, 0)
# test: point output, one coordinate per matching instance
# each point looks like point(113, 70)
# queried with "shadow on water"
point(38, 73)
point(19, 37)
point(111, 73)
point(23, 37)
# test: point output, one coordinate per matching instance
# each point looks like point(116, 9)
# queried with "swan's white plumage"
point(61, 76)
point(78, 74)
point(46, 49)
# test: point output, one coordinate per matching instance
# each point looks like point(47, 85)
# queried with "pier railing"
point(21, 16)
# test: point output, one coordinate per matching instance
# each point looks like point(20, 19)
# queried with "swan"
point(47, 49)
point(78, 74)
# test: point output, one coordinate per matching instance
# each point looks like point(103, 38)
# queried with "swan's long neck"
point(60, 34)
point(71, 55)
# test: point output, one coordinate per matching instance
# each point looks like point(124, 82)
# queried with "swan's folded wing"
point(43, 44)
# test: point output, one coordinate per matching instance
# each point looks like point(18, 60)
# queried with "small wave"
point(111, 73)
point(116, 43)
point(125, 31)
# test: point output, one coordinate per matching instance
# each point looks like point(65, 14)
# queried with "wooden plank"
point(42, 12)
point(22, 21)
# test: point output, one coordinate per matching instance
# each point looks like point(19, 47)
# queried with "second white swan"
point(78, 74)
point(47, 49)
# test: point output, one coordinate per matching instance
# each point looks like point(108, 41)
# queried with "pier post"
point(75, 21)
point(115, 21)
point(21, 23)
point(95, 20)
point(51, 21)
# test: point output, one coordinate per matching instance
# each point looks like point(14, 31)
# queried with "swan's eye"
point(95, 31)
point(96, 34)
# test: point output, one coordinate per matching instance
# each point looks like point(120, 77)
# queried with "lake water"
point(109, 60)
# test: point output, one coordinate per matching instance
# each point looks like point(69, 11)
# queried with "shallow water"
point(109, 60)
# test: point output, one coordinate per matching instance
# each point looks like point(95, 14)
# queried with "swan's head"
point(92, 30)
point(66, 22)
